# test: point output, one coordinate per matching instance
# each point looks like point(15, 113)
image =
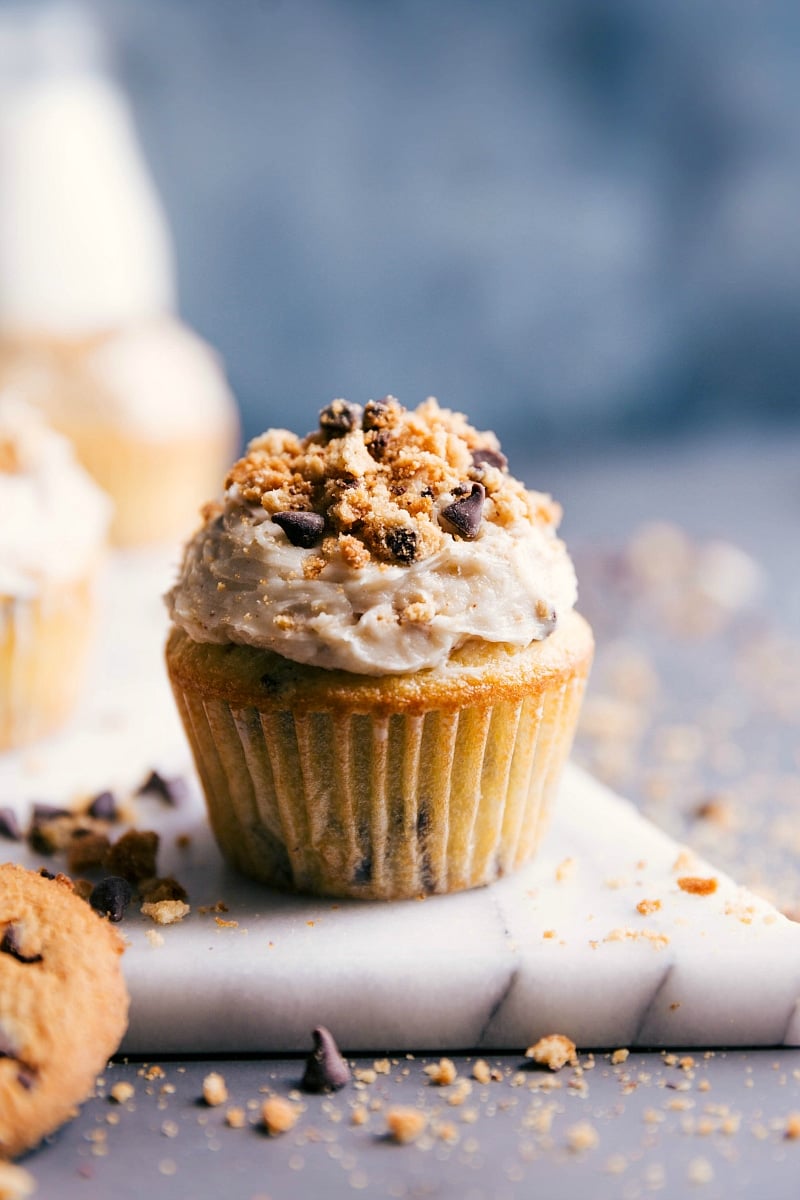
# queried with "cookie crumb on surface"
point(792, 1130)
point(236, 1118)
point(154, 937)
point(405, 1124)
point(695, 885)
point(620, 1056)
point(481, 1071)
point(442, 1073)
point(214, 1089)
point(646, 907)
point(166, 912)
point(700, 1171)
point(553, 1051)
point(122, 1092)
point(279, 1115)
point(582, 1136)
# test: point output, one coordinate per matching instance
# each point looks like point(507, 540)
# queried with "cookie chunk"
point(63, 1003)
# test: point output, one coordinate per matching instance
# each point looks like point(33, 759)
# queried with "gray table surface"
point(715, 1127)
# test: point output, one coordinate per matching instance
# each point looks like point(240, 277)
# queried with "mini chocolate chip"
point(111, 896)
point(326, 1070)
point(489, 458)
point(103, 807)
point(45, 874)
point(9, 825)
point(339, 418)
point(171, 791)
point(465, 515)
point(376, 443)
point(10, 945)
point(403, 544)
point(301, 528)
point(375, 414)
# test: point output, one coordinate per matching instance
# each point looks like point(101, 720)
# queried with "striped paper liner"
point(381, 807)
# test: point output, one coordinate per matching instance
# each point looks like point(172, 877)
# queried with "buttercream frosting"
point(358, 552)
point(54, 517)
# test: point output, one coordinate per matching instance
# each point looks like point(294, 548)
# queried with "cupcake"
point(376, 656)
point(52, 536)
point(148, 410)
point(87, 287)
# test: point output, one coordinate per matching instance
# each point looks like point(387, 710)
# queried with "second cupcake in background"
point(376, 656)
point(87, 292)
point(53, 526)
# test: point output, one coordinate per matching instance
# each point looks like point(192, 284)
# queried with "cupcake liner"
point(44, 644)
point(381, 806)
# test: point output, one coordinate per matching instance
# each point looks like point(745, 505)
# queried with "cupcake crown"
point(385, 483)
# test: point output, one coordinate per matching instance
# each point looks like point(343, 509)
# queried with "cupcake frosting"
point(54, 518)
point(378, 544)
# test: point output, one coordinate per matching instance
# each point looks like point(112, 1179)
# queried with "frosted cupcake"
point(148, 410)
point(87, 287)
point(52, 537)
point(376, 656)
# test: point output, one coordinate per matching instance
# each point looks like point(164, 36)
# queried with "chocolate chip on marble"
point(111, 896)
point(489, 458)
point(301, 528)
point(326, 1070)
point(403, 544)
point(339, 418)
point(172, 791)
point(465, 515)
point(103, 807)
point(9, 825)
point(10, 945)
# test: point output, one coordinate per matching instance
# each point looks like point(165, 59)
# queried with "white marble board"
point(560, 947)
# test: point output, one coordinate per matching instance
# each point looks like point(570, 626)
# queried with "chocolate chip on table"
point(339, 418)
point(465, 515)
point(301, 528)
point(403, 544)
point(171, 791)
point(9, 825)
point(490, 458)
point(111, 896)
point(10, 945)
point(103, 807)
point(326, 1070)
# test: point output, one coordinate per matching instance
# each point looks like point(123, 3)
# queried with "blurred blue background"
point(577, 221)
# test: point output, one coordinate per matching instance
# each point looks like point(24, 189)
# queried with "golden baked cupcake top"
point(377, 544)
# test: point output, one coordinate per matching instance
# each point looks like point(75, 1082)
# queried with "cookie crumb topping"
point(383, 483)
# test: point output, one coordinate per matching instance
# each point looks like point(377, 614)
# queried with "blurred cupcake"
point(376, 657)
point(52, 536)
point(148, 411)
point(87, 287)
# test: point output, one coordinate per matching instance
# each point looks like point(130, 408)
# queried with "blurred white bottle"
point(84, 243)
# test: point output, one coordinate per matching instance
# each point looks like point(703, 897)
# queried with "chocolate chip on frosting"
point(489, 458)
point(301, 528)
point(326, 1070)
point(465, 515)
point(339, 418)
point(403, 544)
point(10, 945)
point(376, 414)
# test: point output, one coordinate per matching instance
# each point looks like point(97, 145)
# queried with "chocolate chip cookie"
point(63, 1003)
